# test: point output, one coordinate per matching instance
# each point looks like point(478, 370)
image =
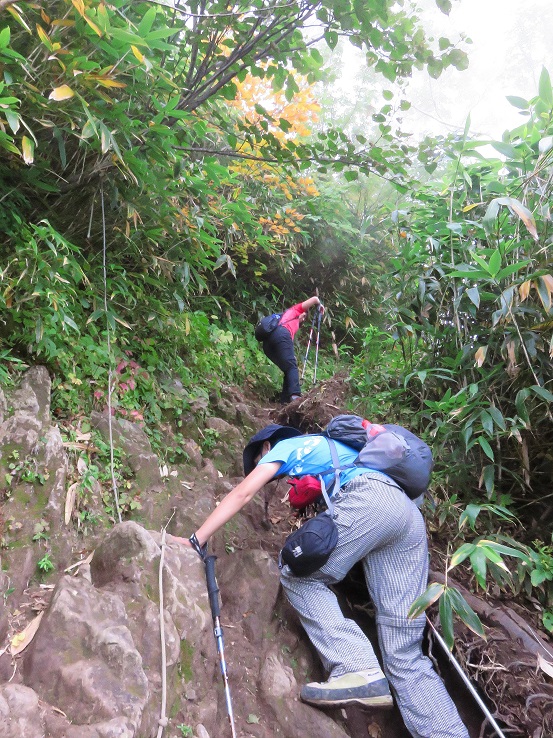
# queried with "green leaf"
point(331, 38)
point(444, 5)
point(520, 404)
point(486, 448)
point(467, 548)
point(511, 269)
point(5, 37)
point(252, 719)
point(488, 474)
point(506, 149)
point(491, 554)
point(474, 295)
point(70, 322)
point(446, 619)
point(433, 592)
point(537, 577)
point(145, 25)
point(544, 294)
point(13, 119)
point(470, 513)
point(229, 91)
point(470, 273)
point(541, 392)
point(459, 59)
point(126, 37)
point(547, 620)
point(518, 102)
point(466, 613)
point(495, 263)
point(505, 550)
point(498, 418)
point(487, 422)
point(351, 175)
point(546, 93)
point(479, 565)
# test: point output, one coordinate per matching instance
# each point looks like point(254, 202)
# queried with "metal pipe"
point(457, 666)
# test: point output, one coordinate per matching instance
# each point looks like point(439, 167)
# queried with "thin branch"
point(252, 157)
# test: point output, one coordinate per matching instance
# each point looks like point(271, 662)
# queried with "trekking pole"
point(319, 314)
point(466, 680)
point(213, 594)
point(308, 345)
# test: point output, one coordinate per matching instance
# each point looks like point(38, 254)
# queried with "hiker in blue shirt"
point(381, 527)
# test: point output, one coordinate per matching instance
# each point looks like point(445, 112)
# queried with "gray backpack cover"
point(387, 448)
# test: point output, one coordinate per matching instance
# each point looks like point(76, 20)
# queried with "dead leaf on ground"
point(21, 640)
point(70, 501)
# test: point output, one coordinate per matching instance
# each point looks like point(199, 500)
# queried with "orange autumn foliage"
point(301, 114)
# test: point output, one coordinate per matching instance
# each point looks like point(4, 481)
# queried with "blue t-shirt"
point(311, 455)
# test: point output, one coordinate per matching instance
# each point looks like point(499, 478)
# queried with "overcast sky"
point(512, 41)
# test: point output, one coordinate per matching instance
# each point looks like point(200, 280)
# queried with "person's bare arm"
point(235, 501)
point(310, 302)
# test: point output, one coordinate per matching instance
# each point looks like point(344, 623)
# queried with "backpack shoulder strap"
point(336, 468)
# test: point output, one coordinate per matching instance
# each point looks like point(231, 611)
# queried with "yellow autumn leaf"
point(28, 148)
point(473, 205)
point(480, 355)
point(93, 25)
point(64, 92)
point(43, 36)
point(107, 82)
point(138, 54)
point(524, 290)
point(21, 640)
point(526, 216)
point(79, 6)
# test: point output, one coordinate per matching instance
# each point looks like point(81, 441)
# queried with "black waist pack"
point(308, 548)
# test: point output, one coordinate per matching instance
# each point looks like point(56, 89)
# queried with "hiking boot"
point(367, 688)
point(294, 397)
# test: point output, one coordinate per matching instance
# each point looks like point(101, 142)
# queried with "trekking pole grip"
point(212, 588)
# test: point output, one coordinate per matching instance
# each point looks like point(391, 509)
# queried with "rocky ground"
point(80, 645)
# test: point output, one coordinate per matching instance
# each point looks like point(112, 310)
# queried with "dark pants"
point(279, 348)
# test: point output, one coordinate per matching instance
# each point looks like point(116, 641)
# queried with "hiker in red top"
point(278, 347)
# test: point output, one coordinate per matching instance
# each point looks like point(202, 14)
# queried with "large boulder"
point(135, 444)
point(19, 712)
point(83, 658)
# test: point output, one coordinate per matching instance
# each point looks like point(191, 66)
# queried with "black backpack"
point(266, 326)
point(387, 448)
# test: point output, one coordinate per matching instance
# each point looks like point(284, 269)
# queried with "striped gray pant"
point(380, 526)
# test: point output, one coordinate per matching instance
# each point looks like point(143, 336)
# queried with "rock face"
point(94, 667)
point(97, 654)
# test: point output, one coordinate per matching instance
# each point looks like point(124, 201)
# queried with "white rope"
point(110, 388)
point(163, 717)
